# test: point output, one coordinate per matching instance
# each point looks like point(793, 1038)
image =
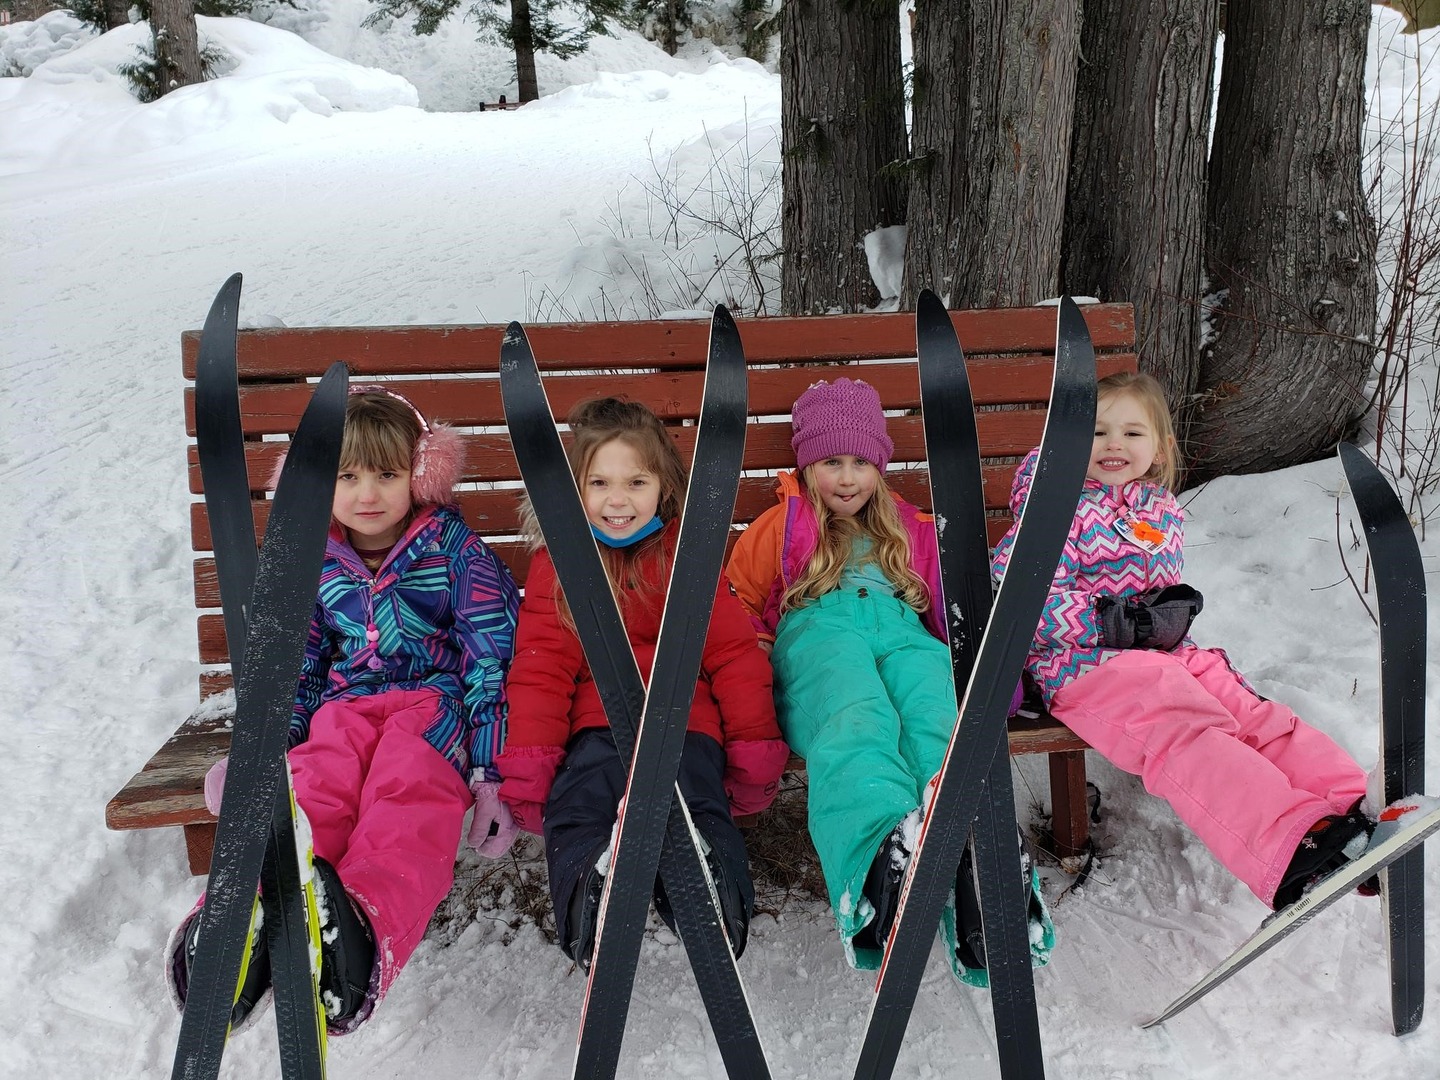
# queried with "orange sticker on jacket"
point(1143, 530)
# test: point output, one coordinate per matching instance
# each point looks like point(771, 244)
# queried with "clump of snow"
point(24, 46)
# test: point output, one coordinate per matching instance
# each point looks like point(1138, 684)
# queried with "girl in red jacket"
point(561, 771)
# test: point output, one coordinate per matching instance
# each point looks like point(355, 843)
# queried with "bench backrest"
point(451, 374)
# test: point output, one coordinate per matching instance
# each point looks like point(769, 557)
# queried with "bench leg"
point(200, 842)
point(1069, 817)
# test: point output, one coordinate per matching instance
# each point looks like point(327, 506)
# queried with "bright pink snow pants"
point(385, 810)
point(1246, 774)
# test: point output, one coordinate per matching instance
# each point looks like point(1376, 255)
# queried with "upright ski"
point(1394, 849)
point(1400, 597)
point(286, 580)
point(648, 729)
point(1044, 524)
point(291, 924)
point(958, 498)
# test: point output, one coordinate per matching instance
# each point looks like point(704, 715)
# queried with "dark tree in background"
point(1135, 208)
point(527, 26)
point(843, 140)
point(994, 92)
point(1290, 239)
point(177, 44)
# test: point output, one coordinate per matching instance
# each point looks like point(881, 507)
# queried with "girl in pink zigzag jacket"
point(1275, 800)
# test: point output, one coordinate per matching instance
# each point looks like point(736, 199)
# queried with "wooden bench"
point(450, 372)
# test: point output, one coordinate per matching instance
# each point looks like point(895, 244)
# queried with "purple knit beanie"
point(840, 417)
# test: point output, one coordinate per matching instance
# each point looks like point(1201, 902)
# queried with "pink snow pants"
point(385, 810)
point(1246, 774)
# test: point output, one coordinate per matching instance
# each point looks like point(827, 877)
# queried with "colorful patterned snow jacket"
point(1098, 560)
point(552, 695)
point(775, 549)
point(439, 613)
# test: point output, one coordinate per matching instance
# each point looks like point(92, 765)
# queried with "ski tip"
point(722, 321)
point(928, 298)
point(514, 335)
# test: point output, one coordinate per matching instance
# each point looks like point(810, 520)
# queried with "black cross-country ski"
point(286, 581)
point(1040, 538)
point(648, 729)
point(957, 496)
point(290, 919)
point(1400, 596)
point(1397, 834)
point(1400, 599)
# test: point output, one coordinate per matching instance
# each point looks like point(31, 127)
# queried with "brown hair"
point(592, 425)
point(879, 518)
point(1165, 470)
point(380, 433)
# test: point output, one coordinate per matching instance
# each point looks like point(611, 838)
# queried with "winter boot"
point(347, 949)
point(254, 980)
point(883, 881)
point(732, 902)
point(584, 914)
point(969, 927)
point(1331, 842)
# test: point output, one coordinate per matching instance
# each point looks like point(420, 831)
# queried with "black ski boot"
point(969, 926)
point(732, 902)
point(253, 985)
point(1331, 842)
point(584, 913)
point(883, 881)
point(347, 948)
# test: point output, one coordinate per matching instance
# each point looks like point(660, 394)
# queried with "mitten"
point(1157, 619)
point(528, 772)
point(528, 816)
point(493, 828)
point(215, 785)
point(752, 773)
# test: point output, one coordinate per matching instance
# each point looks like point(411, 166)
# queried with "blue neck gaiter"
point(650, 528)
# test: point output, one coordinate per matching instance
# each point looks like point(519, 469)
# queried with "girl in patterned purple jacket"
point(400, 710)
point(1275, 800)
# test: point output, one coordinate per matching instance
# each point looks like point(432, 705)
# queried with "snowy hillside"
point(347, 196)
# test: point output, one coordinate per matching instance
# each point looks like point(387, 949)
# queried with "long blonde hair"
point(632, 570)
point(879, 519)
point(1148, 393)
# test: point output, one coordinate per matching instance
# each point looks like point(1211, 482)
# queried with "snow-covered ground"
point(344, 203)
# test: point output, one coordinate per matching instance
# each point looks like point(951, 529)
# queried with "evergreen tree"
point(530, 26)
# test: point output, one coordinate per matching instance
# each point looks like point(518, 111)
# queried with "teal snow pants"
point(866, 695)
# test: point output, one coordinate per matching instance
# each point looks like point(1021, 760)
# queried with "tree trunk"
point(177, 44)
point(669, 30)
point(994, 93)
point(842, 124)
point(1289, 238)
point(117, 13)
point(524, 38)
point(1135, 209)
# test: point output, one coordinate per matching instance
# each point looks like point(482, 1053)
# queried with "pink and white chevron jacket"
point(1098, 560)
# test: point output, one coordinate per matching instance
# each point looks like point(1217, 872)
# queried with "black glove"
point(1158, 619)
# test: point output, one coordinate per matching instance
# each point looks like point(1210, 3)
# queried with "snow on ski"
point(1044, 524)
point(957, 497)
point(1400, 598)
point(286, 581)
point(655, 805)
point(287, 895)
point(1402, 828)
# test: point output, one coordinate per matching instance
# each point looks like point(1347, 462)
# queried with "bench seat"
point(451, 374)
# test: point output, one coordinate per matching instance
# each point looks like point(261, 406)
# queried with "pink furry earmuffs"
point(435, 467)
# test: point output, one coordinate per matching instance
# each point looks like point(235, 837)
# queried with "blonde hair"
point(879, 519)
point(380, 433)
point(1165, 469)
point(592, 425)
